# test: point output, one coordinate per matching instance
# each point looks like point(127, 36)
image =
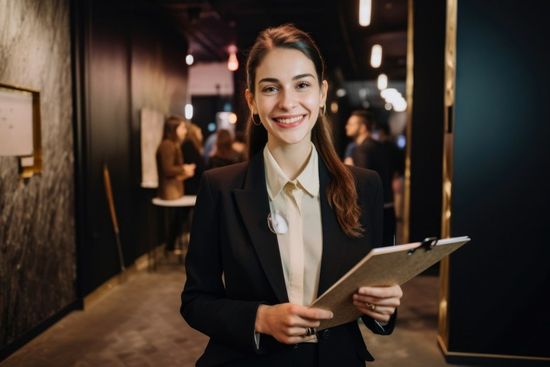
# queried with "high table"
point(186, 201)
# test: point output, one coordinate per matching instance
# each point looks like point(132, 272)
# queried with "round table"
point(186, 201)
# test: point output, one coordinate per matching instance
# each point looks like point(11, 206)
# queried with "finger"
point(296, 331)
point(298, 339)
point(394, 302)
point(381, 292)
point(305, 323)
point(314, 313)
point(382, 310)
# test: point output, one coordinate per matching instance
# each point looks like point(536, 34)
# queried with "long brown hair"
point(341, 191)
point(171, 125)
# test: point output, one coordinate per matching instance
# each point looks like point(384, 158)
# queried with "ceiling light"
point(382, 81)
point(376, 56)
point(365, 10)
point(188, 111)
point(334, 107)
point(232, 62)
point(189, 59)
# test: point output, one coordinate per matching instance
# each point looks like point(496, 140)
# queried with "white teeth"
point(290, 120)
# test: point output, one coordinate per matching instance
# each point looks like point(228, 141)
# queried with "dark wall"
point(37, 236)
point(499, 283)
point(131, 59)
point(427, 123)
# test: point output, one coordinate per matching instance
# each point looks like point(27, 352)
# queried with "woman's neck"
point(292, 158)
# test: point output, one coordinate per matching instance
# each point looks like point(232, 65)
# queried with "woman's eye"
point(302, 85)
point(269, 89)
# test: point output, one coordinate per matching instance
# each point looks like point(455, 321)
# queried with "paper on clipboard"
point(383, 266)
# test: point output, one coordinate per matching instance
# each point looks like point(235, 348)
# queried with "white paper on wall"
point(16, 135)
point(152, 123)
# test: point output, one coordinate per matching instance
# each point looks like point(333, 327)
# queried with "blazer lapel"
point(253, 204)
point(334, 254)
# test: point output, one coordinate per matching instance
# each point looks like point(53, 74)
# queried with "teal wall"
point(500, 194)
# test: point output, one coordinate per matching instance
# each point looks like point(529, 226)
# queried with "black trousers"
point(172, 225)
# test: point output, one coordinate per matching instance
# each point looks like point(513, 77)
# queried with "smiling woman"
point(248, 286)
point(288, 99)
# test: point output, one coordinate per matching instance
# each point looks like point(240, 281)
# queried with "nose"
point(287, 100)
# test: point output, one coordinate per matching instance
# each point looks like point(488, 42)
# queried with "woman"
point(273, 233)
point(225, 154)
point(171, 174)
point(192, 153)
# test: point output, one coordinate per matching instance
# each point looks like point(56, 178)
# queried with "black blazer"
point(233, 264)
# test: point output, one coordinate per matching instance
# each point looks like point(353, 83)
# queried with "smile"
point(287, 122)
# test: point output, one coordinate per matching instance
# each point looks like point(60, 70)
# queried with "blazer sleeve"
point(167, 160)
point(377, 214)
point(204, 304)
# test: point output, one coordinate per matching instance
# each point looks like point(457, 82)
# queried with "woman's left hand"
point(378, 302)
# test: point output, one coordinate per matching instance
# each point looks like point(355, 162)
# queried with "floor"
point(138, 324)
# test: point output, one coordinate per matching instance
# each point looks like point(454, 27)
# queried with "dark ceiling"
point(211, 25)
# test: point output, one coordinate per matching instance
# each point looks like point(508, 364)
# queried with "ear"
point(324, 91)
point(250, 101)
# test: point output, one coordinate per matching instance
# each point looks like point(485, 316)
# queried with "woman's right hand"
point(188, 170)
point(288, 323)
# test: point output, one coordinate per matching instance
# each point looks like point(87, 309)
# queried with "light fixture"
point(376, 56)
point(365, 10)
point(341, 92)
point(382, 81)
point(232, 62)
point(232, 118)
point(188, 111)
point(189, 59)
point(334, 107)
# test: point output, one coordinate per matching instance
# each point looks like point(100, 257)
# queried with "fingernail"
point(331, 315)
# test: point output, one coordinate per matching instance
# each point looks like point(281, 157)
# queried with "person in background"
point(193, 154)
point(239, 144)
point(171, 173)
point(356, 130)
point(273, 233)
point(371, 154)
point(225, 154)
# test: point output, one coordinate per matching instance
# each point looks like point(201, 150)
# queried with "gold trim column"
point(449, 101)
point(409, 96)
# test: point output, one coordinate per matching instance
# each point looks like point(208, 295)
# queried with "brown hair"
point(194, 135)
point(224, 142)
point(341, 191)
point(366, 119)
point(170, 126)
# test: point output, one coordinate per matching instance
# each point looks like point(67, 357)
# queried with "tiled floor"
point(138, 324)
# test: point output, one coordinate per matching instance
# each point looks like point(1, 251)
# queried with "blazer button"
point(325, 334)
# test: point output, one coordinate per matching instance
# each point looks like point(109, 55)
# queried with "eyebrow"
point(274, 80)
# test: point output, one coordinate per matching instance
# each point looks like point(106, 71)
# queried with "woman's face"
point(287, 96)
point(181, 131)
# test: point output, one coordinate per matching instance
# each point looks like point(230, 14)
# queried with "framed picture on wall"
point(20, 127)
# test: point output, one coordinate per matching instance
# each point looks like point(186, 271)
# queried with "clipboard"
point(382, 266)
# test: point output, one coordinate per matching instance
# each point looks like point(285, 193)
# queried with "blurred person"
point(357, 132)
point(225, 154)
point(239, 144)
point(171, 173)
point(371, 154)
point(322, 217)
point(396, 158)
point(193, 154)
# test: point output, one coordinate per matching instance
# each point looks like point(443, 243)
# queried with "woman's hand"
point(378, 302)
point(289, 323)
point(188, 171)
